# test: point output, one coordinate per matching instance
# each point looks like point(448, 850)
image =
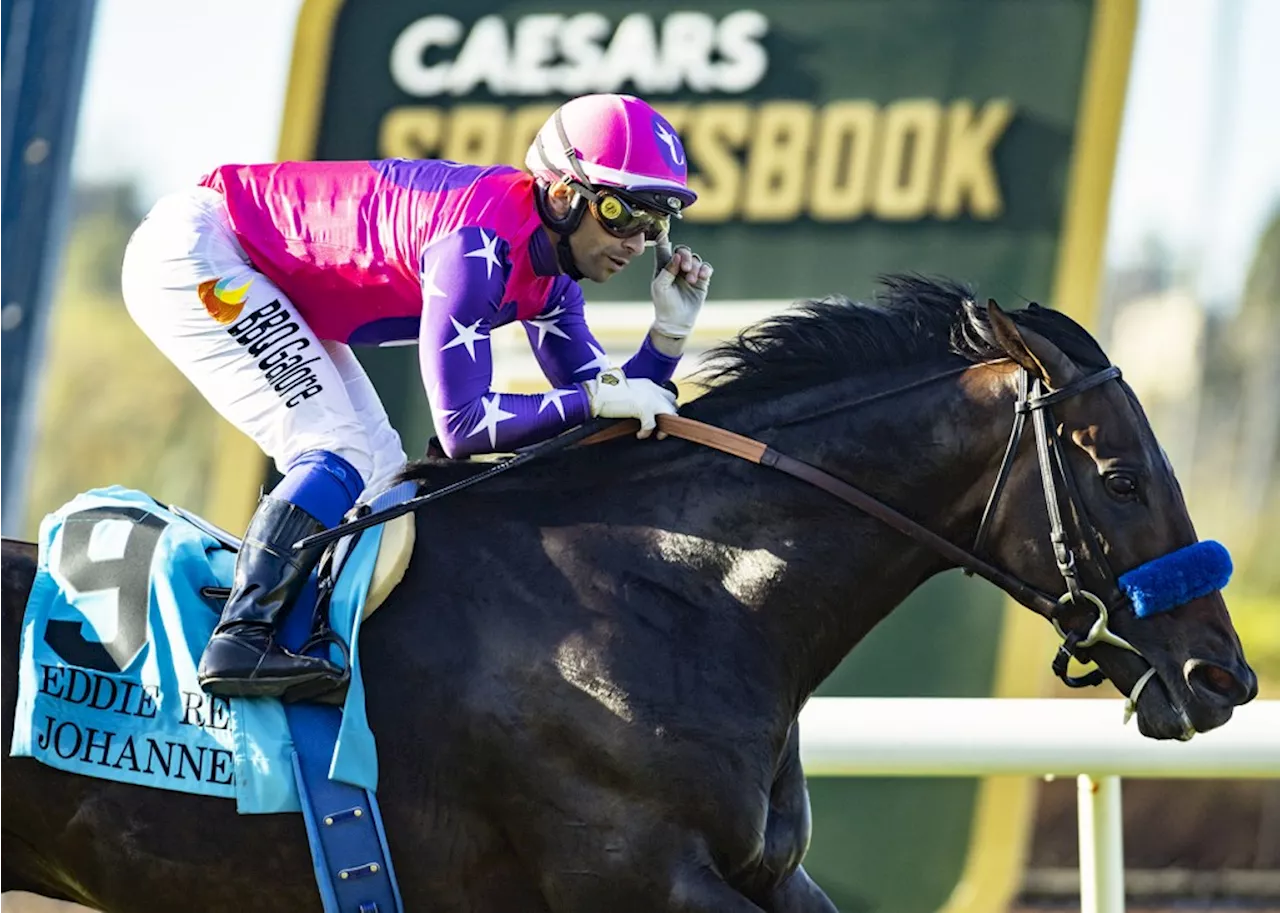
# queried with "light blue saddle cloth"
point(112, 636)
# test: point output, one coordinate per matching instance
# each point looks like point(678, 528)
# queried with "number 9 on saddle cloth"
point(126, 596)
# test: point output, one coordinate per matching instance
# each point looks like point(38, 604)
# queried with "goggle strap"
point(580, 188)
point(569, 152)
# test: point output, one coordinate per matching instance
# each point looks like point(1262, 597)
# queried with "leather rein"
point(1034, 400)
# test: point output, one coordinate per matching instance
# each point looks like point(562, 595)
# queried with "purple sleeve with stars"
point(569, 353)
point(464, 280)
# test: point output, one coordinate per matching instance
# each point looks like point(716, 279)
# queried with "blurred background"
point(1117, 160)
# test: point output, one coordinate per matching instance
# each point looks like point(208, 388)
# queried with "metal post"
point(1101, 844)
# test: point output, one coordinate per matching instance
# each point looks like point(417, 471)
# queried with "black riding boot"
point(243, 658)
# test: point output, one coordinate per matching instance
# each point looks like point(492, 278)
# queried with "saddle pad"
point(394, 551)
point(111, 639)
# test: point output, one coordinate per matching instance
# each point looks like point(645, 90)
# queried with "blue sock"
point(321, 483)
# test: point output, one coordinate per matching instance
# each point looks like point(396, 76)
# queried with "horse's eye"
point(1123, 486)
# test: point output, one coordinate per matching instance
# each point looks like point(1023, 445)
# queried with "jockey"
point(256, 283)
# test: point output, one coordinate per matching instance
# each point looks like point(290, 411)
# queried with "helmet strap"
point(563, 226)
point(564, 253)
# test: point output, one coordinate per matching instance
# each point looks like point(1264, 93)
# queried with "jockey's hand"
point(679, 288)
point(614, 395)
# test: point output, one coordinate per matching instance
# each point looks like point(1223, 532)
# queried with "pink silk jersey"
point(432, 252)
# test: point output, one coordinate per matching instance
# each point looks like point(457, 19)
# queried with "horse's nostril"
point(1209, 677)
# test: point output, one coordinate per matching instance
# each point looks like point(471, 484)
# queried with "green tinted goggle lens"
point(623, 220)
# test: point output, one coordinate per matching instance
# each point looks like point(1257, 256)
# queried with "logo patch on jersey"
point(223, 303)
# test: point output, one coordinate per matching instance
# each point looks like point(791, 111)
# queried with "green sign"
point(829, 141)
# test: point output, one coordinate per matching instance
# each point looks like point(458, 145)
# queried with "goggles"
point(623, 219)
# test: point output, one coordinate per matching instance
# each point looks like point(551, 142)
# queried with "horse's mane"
point(911, 319)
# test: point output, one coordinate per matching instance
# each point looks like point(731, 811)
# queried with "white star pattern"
point(599, 363)
point(488, 250)
point(493, 414)
point(467, 336)
point(552, 398)
point(429, 288)
point(546, 323)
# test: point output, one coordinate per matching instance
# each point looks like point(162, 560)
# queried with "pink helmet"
point(614, 141)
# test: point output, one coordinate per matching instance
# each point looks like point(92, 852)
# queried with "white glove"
point(614, 395)
point(679, 287)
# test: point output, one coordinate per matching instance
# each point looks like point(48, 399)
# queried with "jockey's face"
point(598, 254)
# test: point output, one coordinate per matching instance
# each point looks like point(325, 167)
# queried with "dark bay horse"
point(585, 689)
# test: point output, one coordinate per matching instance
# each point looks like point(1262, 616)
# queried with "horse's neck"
point(838, 572)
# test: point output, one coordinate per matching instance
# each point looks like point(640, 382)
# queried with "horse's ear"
point(1039, 356)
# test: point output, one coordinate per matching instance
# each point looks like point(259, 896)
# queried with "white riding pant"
point(245, 347)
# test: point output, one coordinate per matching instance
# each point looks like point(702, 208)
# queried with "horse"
point(585, 690)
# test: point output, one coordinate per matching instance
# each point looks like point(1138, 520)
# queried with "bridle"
point(1035, 401)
